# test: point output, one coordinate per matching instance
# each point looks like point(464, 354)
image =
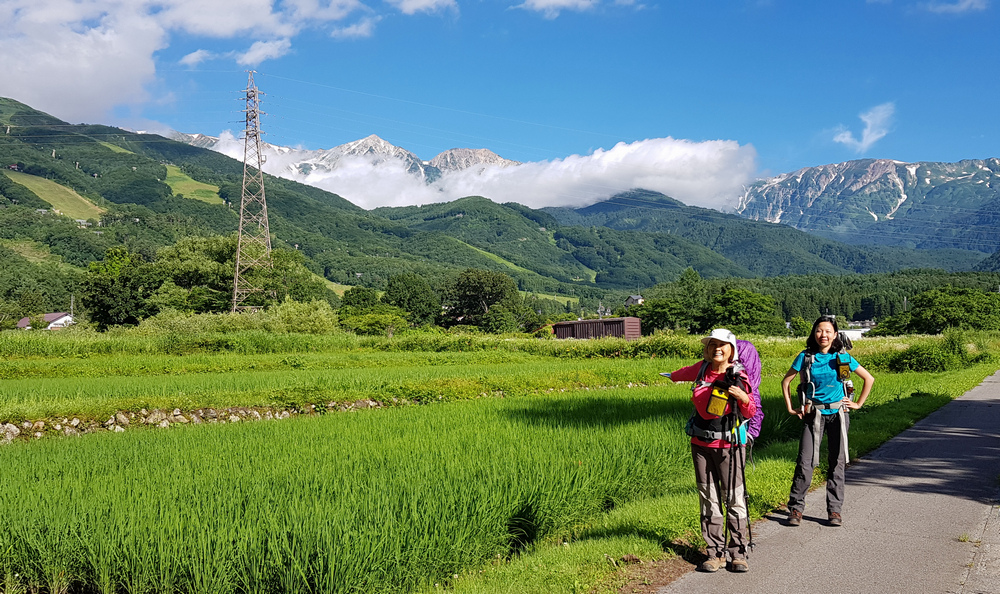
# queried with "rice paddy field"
point(495, 465)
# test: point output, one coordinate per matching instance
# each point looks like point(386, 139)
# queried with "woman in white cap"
point(720, 391)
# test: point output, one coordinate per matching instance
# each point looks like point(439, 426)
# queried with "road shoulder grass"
point(660, 530)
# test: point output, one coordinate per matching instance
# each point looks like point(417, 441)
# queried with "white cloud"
point(331, 10)
point(79, 59)
point(264, 50)
point(958, 7)
point(218, 18)
point(877, 121)
point(707, 174)
point(359, 30)
point(702, 173)
point(67, 58)
point(197, 57)
point(551, 8)
point(415, 6)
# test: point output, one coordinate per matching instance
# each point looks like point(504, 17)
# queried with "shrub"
point(924, 357)
point(950, 352)
point(375, 324)
point(315, 317)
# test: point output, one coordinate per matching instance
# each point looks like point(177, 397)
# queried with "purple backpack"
point(750, 359)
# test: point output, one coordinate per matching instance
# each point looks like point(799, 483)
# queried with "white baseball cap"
point(723, 335)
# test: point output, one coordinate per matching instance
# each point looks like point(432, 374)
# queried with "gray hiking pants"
point(714, 470)
point(836, 462)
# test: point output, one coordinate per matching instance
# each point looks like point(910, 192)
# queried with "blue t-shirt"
point(824, 386)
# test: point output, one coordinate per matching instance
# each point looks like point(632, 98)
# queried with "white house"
point(855, 333)
point(53, 321)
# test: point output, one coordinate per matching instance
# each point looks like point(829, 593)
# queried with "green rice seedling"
point(399, 497)
point(389, 500)
point(100, 396)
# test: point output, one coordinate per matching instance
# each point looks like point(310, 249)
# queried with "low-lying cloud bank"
point(709, 173)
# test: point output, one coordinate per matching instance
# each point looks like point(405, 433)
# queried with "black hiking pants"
point(836, 461)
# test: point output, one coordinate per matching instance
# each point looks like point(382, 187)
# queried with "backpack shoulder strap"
point(805, 372)
point(699, 380)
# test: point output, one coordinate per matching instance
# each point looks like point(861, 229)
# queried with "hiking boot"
point(712, 564)
point(794, 517)
point(835, 519)
point(739, 566)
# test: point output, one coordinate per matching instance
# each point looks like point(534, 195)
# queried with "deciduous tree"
point(116, 291)
point(413, 293)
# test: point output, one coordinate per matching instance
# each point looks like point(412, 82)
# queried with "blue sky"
point(791, 84)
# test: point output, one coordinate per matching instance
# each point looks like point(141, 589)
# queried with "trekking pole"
point(746, 503)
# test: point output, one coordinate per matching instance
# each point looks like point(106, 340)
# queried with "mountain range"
point(296, 163)
point(878, 201)
point(924, 205)
point(153, 190)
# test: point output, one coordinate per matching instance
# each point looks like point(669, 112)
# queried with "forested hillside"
point(990, 264)
point(602, 252)
point(765, 249)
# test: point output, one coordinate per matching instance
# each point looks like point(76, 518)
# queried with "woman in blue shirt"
point(825, 409)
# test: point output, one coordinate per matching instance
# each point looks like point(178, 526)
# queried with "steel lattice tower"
point(253, 248)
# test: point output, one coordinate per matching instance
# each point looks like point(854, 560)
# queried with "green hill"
point(765, 249)
point(156, 191)
point(991, 263)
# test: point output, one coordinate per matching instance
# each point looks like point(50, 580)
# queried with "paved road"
point(921, 514)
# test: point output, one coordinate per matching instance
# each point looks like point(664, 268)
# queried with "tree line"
point(913, 301)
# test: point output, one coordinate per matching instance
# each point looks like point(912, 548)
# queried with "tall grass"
point(378, 502)
point(253, 340)
point(301, 381)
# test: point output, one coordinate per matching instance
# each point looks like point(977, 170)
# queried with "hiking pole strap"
point(843, 435)
point(817, 435)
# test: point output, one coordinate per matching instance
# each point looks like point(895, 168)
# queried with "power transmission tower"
point(253, 248)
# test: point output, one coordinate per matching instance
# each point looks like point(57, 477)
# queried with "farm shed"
point(627, 328)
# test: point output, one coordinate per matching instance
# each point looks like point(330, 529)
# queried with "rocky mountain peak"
point(373, 145)
point(457, 159)
point(926, 204)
